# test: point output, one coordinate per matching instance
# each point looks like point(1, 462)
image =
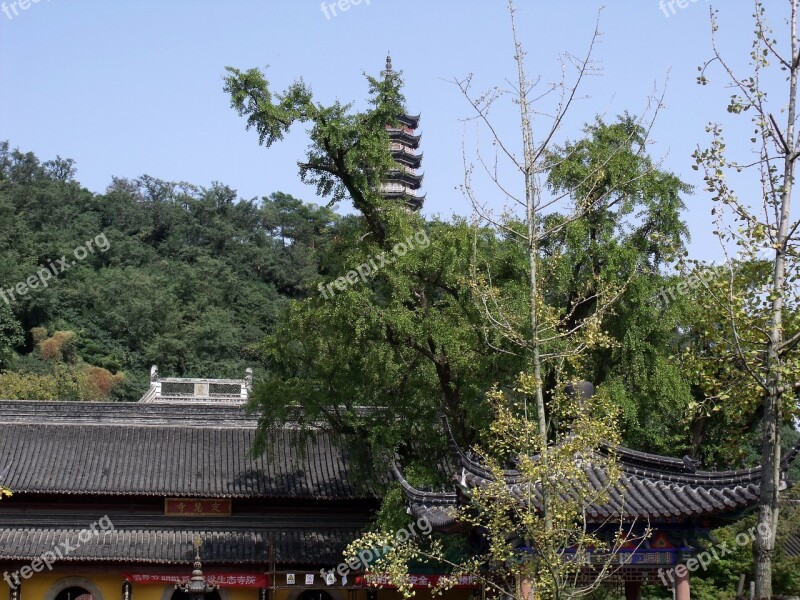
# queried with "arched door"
point(181, 595)
point(315, 595)
point(74, 593)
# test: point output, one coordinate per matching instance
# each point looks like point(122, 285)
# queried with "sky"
point(133, 87)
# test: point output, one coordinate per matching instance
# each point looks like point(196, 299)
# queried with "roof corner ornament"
point(691, 464)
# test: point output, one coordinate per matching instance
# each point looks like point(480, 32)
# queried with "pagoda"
point(404, 181)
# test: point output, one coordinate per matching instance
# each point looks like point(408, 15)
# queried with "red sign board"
point(192, 507)
point(242, 580)
point(417, 581)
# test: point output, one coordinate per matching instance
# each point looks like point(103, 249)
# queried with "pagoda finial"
point(388, 62)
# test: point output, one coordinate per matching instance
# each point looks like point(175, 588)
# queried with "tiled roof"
point(650, 487)
point(170, 546)
point(158, 450)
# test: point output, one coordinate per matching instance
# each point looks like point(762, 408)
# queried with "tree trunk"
point(764, 546)
point(531, 215)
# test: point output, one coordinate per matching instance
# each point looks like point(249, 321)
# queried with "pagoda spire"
point(404, 180)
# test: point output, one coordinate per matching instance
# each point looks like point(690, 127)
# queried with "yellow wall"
point(109, 583)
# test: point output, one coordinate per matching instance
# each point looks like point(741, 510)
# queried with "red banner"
point(417, 581)
point(246, 580)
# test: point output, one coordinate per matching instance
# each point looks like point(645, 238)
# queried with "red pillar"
point(682, 587)
point(526, 589)
point(633, 590)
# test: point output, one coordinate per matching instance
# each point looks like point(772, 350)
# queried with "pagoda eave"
point(412, 200)
point(409, 160)
point(411, 121)
point(410, 180)
point(402, 136)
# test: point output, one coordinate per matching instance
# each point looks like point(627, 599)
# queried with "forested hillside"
point(186, 277)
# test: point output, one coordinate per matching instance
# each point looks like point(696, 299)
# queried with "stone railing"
point(196, 390)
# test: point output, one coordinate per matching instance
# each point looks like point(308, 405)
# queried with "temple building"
point(679, 503)
point(127, 500)
point(404, 182)
point(116, 500)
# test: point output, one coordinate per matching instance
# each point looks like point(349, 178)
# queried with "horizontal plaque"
point(192, 507)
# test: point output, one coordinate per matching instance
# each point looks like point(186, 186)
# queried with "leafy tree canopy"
point(377, 360)
point(191, 278)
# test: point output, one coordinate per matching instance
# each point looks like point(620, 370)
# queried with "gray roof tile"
point(157, 450)
point(651, 487)
point(156, 546)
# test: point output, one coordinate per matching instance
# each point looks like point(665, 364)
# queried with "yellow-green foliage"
point(28, 386)
point(558, 539)
point(721, 360)
point(67, 378)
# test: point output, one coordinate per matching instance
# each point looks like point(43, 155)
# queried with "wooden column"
point(682, 587)
point(633, 589)
point(525, 589)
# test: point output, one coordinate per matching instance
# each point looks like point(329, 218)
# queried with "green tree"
point(377, 360)
point(410, 341)
point(630, 227)
point(10, 335)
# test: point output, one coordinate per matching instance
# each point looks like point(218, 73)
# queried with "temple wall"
point(107, 585)
point(47, 585)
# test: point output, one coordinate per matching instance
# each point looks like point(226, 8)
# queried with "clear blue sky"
point(132, 87)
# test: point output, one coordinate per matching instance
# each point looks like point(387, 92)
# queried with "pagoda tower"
point(404, 181)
